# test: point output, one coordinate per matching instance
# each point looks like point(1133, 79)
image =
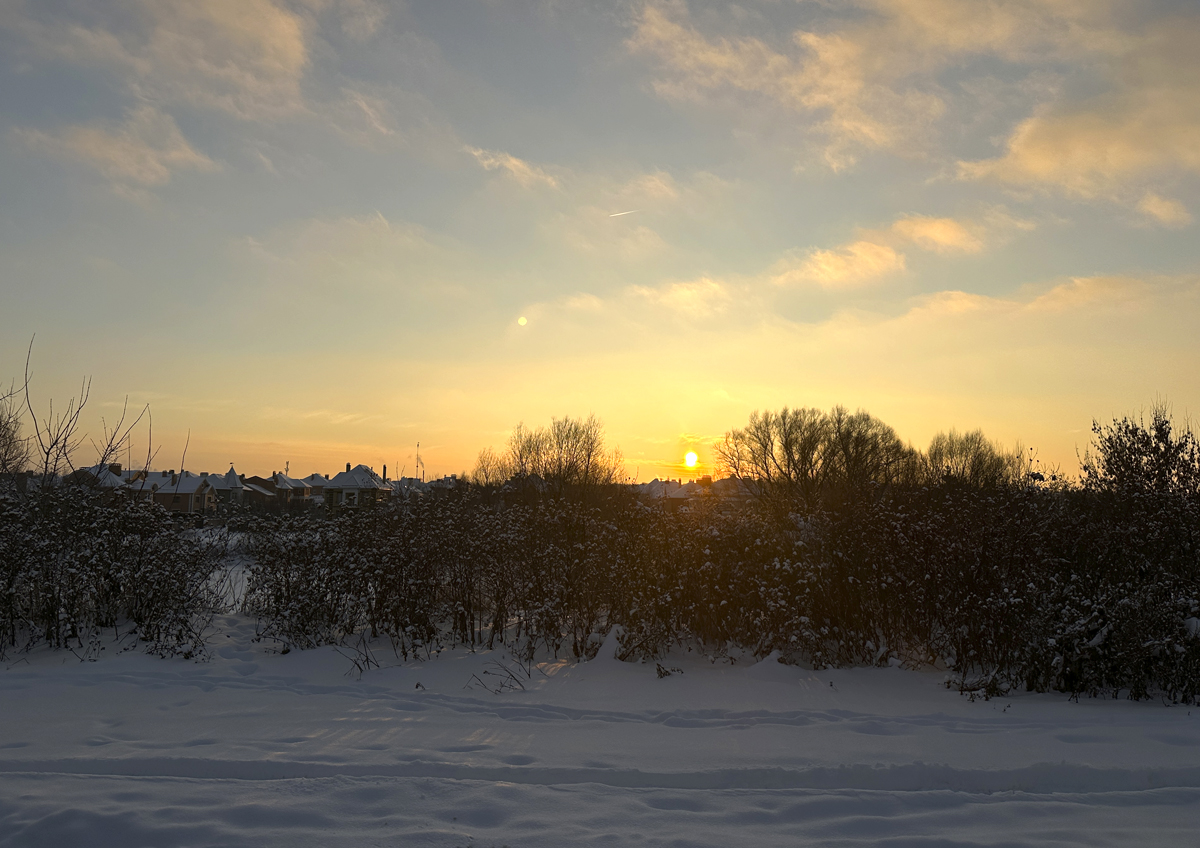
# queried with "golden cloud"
point(1146, 126)
point(940, 235)
point(852, 265)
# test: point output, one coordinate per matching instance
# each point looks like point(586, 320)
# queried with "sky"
point(304, 233)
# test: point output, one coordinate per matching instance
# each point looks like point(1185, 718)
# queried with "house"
point(298, 492)
point(354, 487)
point(101, 476)
point(687, 495)
point(227, 487)
point(182, 492)
point(316, 484)
point(402, 487)
point(655, 490)
point(257, 495)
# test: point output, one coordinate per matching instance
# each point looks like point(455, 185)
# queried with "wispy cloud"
point(1164, 210)
point(524, 173)
point(141, 152)
point(866, 80)
point(246, 58)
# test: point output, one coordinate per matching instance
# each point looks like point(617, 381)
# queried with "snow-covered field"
point(261, 749)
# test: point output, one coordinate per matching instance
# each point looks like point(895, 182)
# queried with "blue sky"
point(305, 232)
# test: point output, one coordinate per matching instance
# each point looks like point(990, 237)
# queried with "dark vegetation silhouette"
point(852, 548)
point(77, 562)
point(569, 456)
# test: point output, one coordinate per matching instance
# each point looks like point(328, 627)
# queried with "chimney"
point(385, 473)
point(115, 468)
point(167, 473)
point(347, 466)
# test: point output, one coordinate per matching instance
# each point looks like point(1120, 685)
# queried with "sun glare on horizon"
point(690, 459)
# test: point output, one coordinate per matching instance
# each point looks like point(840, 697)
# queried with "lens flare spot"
point(691, 459)
point(522, 321)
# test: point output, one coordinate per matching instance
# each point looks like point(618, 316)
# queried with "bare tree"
point(864, 450)
point(570, 453)
point(971, 459)
point(490, 469)
point(795, 456)
point(783, 453)
point(14, 447)
point(57, 436)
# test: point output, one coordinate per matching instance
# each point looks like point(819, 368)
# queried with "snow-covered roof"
point(656, 488)
point(183, 483)
point(316, 481)
point(100, 476)
point(359, 477)
point(251, 487)
point(225, 482)
point(732, 487)
point(687, 490)
point(282, 481)
point(408, 485)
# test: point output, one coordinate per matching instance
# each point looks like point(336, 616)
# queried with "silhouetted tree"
point(796, 456)
point(569, 454)
point(1135, 457)
point(971, 459)
point(14, 447)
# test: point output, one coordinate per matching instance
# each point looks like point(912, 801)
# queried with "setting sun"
point(690, 459)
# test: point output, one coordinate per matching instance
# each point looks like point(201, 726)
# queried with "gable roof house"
point(106, 477)
point(316, 483)
point(299, 492)
point(354, 487)
point(227, 487)
point(182, 492)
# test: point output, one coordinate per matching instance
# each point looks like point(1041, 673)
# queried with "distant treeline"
point(1003, 579)
point(794, 457)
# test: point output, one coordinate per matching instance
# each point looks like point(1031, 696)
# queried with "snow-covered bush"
point(1086, 592)
point(74, 562)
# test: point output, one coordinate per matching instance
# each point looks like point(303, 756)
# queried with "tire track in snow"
point(523, 711)
point(1044, 778)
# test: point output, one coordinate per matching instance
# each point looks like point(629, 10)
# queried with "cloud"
point(701, 298)
point(518, 169)
point(940, 235)
point(141, 152)
point(1144, 125)
point(865, 76)
point(855, 264)
point(245, 57)
point(1170, 213)
point(827, 76)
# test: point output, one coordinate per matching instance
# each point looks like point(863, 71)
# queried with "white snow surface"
point(255, 748)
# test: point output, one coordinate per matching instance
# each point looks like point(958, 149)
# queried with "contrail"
point(619, 214)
